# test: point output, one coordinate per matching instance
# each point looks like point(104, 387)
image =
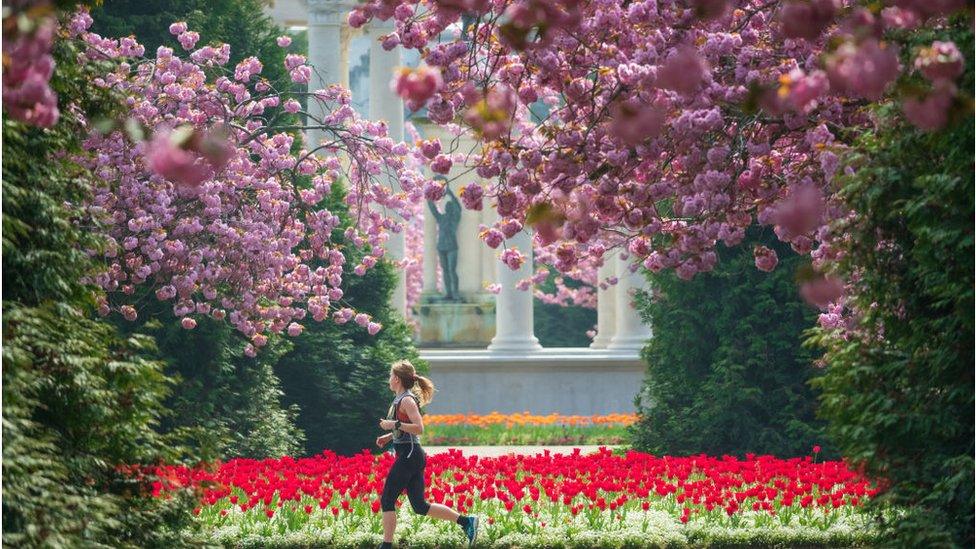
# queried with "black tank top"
point(402, 437)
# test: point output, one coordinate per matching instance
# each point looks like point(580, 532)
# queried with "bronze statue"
point(447, 244)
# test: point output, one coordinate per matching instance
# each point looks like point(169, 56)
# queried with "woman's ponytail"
point(426, 389)
point(420, 386)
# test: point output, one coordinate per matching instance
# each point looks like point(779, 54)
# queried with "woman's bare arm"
point(416, 425)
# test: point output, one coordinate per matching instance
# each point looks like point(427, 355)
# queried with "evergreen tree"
point(79, 399)
point(898, 389)
point(726, 372)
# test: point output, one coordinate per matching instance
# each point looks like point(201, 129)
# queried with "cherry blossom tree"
point(660, 129)
point(208, 195)
point(656, 129)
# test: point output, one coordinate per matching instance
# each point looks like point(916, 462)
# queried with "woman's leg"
point(415, 492)
point(396, 480)
point(389, 526)
point(442, 512)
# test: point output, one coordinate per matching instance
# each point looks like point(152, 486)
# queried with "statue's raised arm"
point(433, 209)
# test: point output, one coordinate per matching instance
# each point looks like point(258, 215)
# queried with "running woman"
point(407, 472)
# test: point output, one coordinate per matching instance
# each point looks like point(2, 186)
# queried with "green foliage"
point(726, 370)
point(224, 403)
point(78, 399)
point(558, 326)
point(899, 391)
point(337, 374)
point(240, 23)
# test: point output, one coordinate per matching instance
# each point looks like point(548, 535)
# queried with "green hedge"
point(726, 371)
point(899, 393)
point(78, 398)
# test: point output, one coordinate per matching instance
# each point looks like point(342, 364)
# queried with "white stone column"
point(514, 321)
point(606, 305)
point(430, 252)
point(631, 334)
point(328, 41)
point(387, 106)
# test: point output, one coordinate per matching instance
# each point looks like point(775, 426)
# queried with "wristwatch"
point(397, 424)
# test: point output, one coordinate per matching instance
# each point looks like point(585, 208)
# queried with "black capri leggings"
point(406, 472)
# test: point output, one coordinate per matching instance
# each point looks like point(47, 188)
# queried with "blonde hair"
point(420, 386)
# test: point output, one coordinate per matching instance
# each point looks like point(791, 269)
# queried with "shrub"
point(726, 372)
point(78, 398)
point(898, 391)
point(224, 403)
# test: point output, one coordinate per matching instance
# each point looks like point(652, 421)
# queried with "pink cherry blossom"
point(491, 114)
point(931, 112)
point(27, 69)
point(441, 164)
point(430, 148)
point(492, 237)
point(821, 290)
point(807, 18)
point(683, 71)
point(864, 69)
point(188, 39)
point(940, 61)
point(633, 122)
point(418, 84)
point(766, 259)
point(471, 196)
point(801, 212)
point(512, 258)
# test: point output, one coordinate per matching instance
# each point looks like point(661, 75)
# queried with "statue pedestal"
point(455, 325)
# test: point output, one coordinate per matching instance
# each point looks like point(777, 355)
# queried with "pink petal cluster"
point(931, 111)
point(28, 66)
point(766, 259)
point(807, 18)
point(940, 61)
point(224, 219)
point(821, 290)
point(417, 85)
point(863, 70)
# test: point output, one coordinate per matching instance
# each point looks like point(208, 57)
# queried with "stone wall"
point(569, 381)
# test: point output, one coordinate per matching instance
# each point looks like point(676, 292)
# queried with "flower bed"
point(601, 499)
point(525, 428)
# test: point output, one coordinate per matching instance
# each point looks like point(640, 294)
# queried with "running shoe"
point(471, 530)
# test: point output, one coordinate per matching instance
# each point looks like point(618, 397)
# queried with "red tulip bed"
point(601, 499)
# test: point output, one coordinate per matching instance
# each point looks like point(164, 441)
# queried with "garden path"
point(495, 451)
